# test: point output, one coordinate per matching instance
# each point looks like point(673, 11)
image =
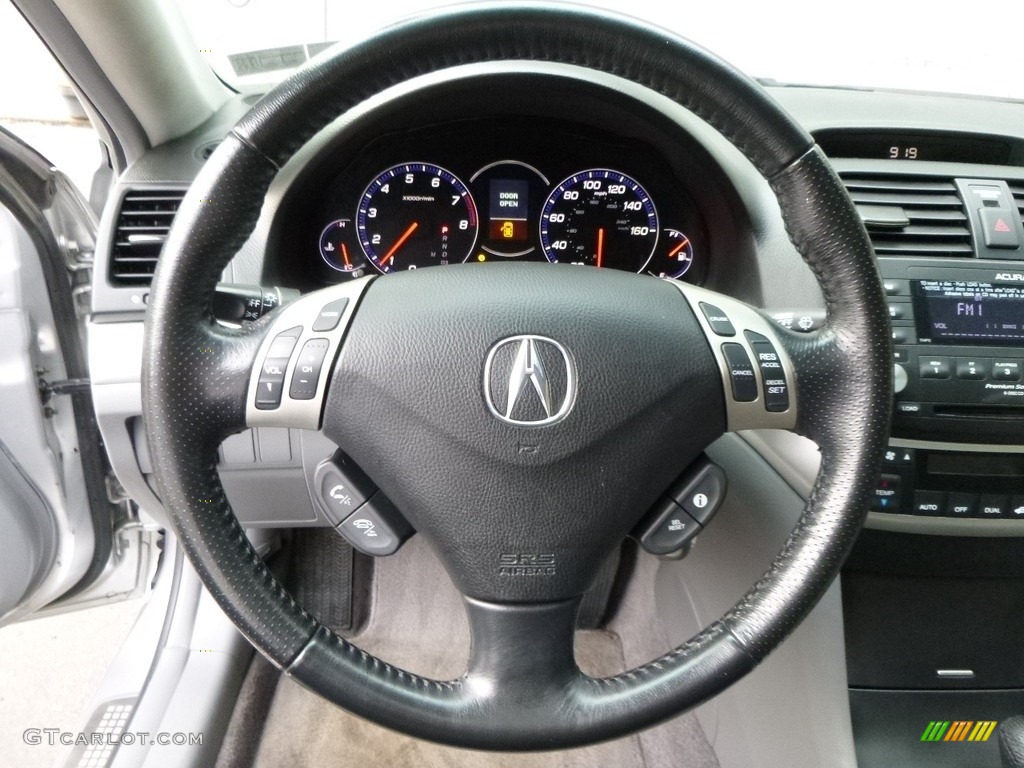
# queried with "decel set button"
point(776, 388)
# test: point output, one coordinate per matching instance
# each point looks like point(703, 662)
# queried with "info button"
point(929, 502)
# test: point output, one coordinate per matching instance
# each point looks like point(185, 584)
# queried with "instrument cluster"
point(494, 190)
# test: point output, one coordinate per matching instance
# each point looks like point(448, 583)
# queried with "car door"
point(68, 537)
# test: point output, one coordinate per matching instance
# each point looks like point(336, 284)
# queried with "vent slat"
point(142, 225)
point(936, 223)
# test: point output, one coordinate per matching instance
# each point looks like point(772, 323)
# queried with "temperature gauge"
point(339, 248)
point(673, 256)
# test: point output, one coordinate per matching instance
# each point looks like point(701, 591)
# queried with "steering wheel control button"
point(700, 490)
point(271, 381)
point(307, 369)
point(717, 319)
point(929, 503)
point(773, 377)
point(934, 368)
point(669, 529)
point(887, 494)
point(330, 316)
point(377, 528)
point(741, 373)
point(961, 505)
point(993, 506)
point(284, 343)
point(342, 488)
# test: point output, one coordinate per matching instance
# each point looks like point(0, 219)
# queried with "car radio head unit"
point(969, 312)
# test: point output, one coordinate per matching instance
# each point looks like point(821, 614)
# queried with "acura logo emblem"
point(529, 381)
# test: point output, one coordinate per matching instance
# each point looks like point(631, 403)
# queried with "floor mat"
point(418, 622)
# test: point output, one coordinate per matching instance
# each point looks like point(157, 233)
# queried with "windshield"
point(918, 45)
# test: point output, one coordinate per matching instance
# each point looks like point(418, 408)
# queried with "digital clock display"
point(949, 148)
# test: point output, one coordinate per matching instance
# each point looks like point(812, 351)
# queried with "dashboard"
point(508, 189)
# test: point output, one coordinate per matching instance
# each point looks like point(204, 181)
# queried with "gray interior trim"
point(152, 41)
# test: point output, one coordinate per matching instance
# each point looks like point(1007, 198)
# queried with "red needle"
point(398, 244)
point(344, 255)
point(600, 247)
point(678, 248)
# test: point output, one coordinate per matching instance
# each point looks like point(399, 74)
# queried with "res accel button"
point(773, 377)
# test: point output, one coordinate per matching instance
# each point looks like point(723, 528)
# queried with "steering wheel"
point(639, 375)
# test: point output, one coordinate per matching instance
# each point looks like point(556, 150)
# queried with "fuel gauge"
point(673, 256)
point(340, 249)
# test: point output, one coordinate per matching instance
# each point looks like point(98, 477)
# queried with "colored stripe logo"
point(959, 730)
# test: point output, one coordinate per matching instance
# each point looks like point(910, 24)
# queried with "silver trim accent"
point(955, 674)
point(743, 317)
point(303, 414)
point(528, 369)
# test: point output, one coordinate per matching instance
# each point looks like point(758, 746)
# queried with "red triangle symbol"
point(1002, 226)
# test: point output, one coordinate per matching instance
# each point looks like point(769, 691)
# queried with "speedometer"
point(602, 218)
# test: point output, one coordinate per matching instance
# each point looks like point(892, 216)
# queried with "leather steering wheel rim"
point(196, 373)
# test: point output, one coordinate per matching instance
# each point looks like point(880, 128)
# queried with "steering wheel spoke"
point(758, 374)
point(289, 381)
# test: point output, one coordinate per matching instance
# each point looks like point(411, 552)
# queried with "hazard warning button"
point(1000, 228)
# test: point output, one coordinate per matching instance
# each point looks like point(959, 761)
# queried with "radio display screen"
point(969, 313)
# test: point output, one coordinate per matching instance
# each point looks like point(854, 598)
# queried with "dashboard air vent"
point(1017, 190)
point(911, 215)
point(142, 225)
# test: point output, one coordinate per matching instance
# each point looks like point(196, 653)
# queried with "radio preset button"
point(973, 369)
point(929, 502)
point(994, 506)
point(1005, 370)
point(934, 368)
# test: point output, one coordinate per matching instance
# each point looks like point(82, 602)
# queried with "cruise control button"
point(934, 367)
point(377, 528)
point(1005, 370)
point(961, 505)
point(741, 373)
point(717, 319)
point(330, 316)
point(307, 369)
point(773, 377)
point(994, 506)
point(970, 369)
point(929, 502)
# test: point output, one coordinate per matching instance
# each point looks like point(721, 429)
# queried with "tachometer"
point(602, 218)
point(416, 215)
